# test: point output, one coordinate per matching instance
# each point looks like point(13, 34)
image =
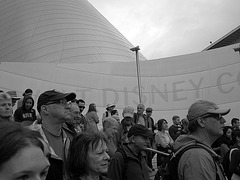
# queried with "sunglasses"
point(81, 107)
point(216, 116)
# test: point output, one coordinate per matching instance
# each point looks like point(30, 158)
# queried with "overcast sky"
point(165, 28)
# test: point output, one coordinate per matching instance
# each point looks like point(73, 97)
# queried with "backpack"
point(226, 162)
point(124, 159)
point(170, 172)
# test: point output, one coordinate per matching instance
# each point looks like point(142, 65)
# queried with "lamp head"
point(135, 48)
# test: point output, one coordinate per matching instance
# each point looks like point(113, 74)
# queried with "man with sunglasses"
point(82, 120)
point(54, 109)
point(205, 125)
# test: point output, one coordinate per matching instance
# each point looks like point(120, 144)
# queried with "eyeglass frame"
point(81, 107)
point(219, 116)
point(61, 102)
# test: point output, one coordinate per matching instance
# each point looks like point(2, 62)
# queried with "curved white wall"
point(66, 31)
point(169, 85)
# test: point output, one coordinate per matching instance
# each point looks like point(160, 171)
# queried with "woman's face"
point(28, 103)
point(98, 159)
point(229, 133)
point(165, 125)
point(29, 163)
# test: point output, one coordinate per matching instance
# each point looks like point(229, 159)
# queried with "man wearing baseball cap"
point(126, 124)
point(53, 107)
point(129, 162)
point(206, 124)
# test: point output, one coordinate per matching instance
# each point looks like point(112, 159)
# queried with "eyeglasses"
point(216, 116)
point(62, 102)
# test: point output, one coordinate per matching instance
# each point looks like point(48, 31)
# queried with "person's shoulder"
point(18, 110)
point(171, 127)
point(119, 154)
point(197, 154)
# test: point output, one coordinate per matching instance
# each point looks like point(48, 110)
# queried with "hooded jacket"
point(23, 114)
point(197, 163)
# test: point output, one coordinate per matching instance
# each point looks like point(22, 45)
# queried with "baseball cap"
point(203, 107)
point(128, 112)
point(53, 95)
point(13, 95)
point(149, 109)
point(139, 130)
point(110, 105)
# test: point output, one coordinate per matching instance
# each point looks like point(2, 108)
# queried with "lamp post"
point(237, 49)
point(136, 49)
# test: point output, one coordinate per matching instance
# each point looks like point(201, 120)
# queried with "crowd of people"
point(58, 142)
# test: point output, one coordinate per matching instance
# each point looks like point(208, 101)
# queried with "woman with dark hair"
point(21, 153)
point(27, 92)
point(26, 114)
point(164, 141)
point(92, 118)
point(88, 157)
point(223, 143)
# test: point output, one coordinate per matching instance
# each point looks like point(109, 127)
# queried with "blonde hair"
point(5, 96)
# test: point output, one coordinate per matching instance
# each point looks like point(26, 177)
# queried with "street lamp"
point(136, 49)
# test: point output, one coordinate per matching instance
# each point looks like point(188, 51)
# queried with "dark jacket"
point(174, 131)
point(23, 114)
point(234, 166)
point(129, 168)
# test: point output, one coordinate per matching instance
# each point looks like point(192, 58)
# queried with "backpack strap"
point(124, 155)
point(230, 153)
point(216, 158)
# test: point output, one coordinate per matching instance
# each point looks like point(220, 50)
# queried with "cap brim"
point(111, 105)
point(220, 111)
point(68, 96)
point(16, 98)
point(128, 115)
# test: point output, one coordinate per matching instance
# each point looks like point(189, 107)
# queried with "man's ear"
point(201, 121)
point(44, 109)
point(131, 139)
